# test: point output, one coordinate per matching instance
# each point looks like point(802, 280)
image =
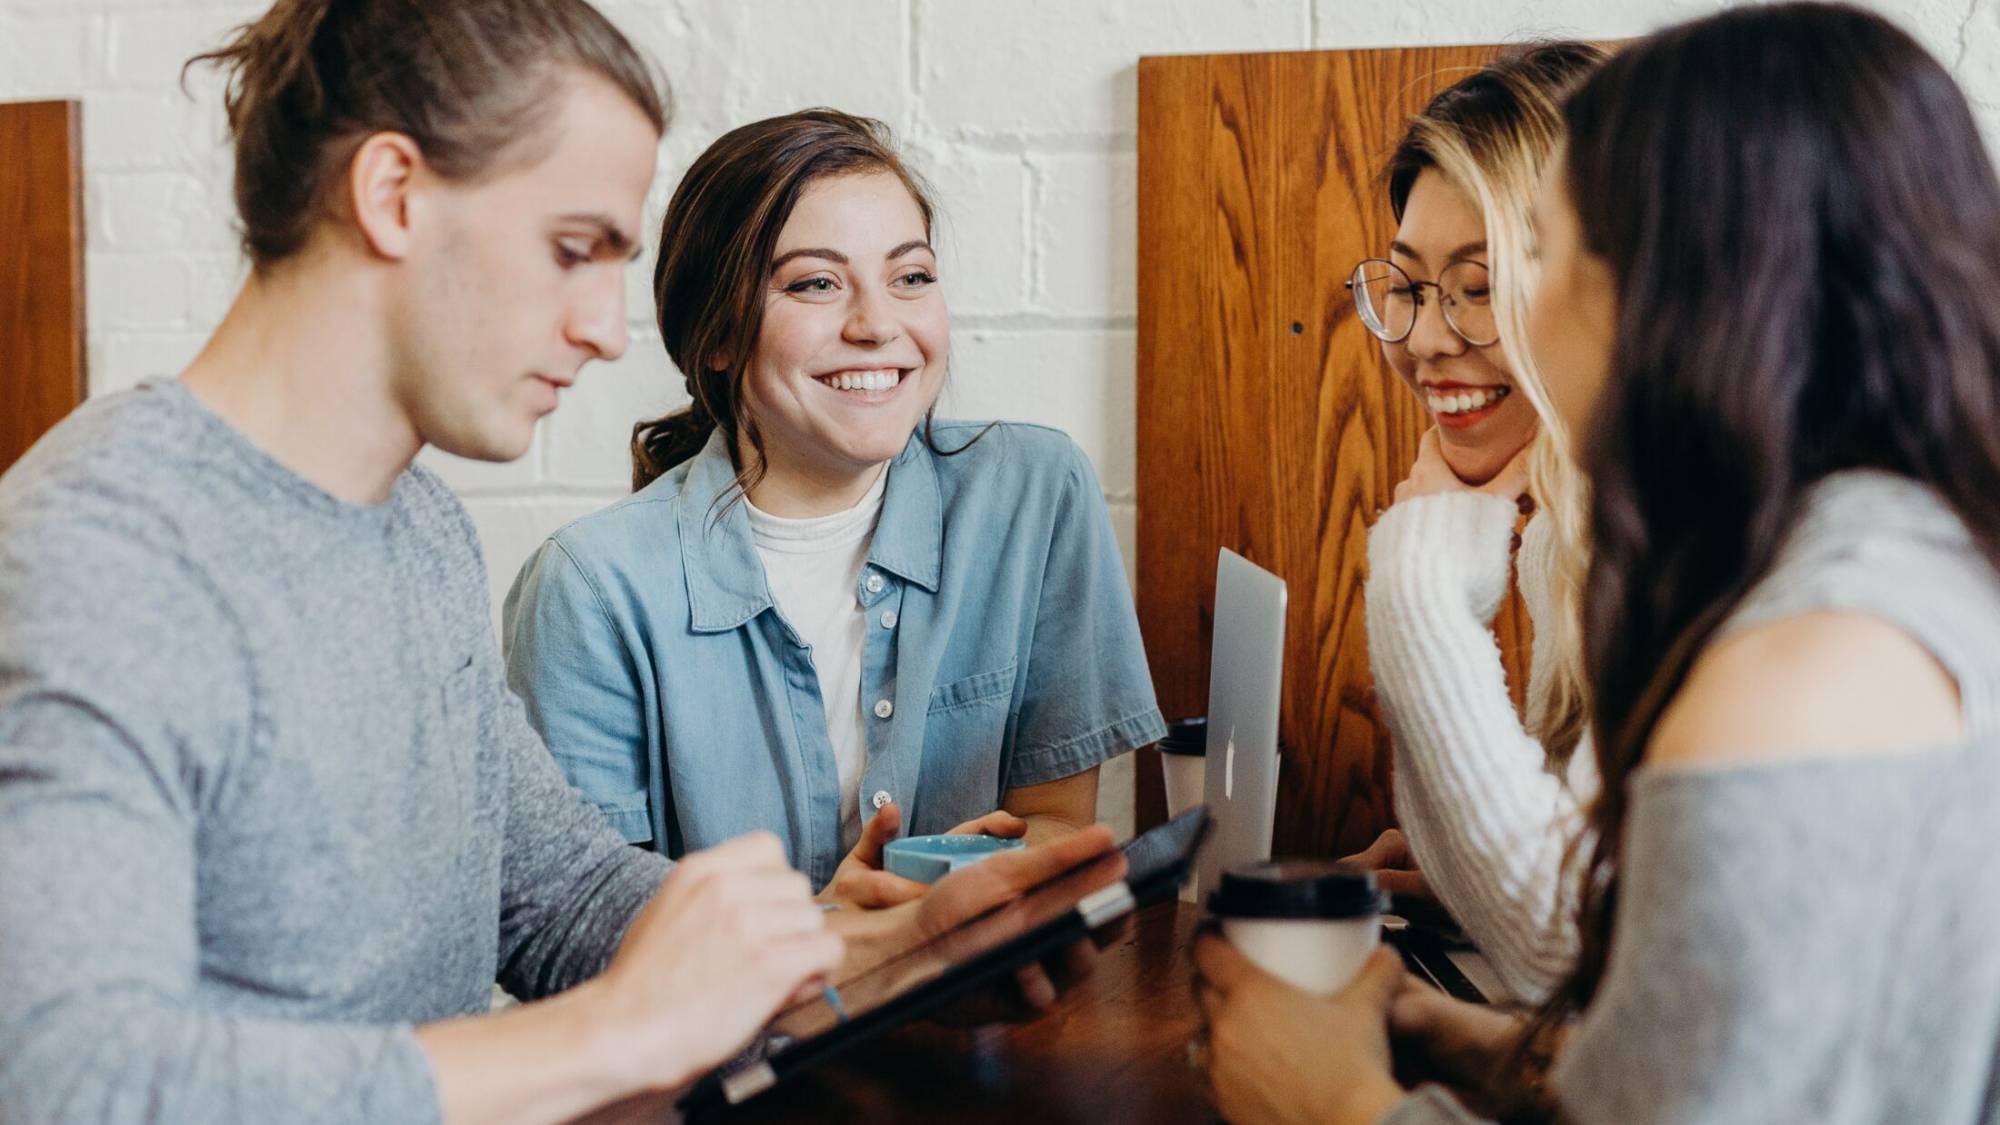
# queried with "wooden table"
point(1114, 1050)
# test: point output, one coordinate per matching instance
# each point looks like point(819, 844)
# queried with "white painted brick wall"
point(1021, 112)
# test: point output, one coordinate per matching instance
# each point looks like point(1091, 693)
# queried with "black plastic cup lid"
point(1186, 736)
point(1316, 889)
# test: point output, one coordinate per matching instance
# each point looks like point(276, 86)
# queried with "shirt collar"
point(725, 578)
point(909, 542)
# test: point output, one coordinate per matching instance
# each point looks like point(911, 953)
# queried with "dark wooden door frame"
point(42, 349)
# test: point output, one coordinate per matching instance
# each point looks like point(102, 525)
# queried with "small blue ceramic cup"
point(927, 859)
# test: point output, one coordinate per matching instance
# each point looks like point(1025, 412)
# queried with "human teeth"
point(1464, 402)
point(862, 380)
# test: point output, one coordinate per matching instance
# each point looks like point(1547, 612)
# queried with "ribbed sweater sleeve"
point(1487, 821)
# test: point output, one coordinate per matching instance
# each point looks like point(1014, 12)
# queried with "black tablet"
point(1062, 911)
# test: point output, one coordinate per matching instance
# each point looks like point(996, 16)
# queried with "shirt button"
point(874, 583)
point(880, 798)
point(888, 619)
point(884, 708)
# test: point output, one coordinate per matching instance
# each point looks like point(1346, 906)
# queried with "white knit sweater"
point(1487, 820)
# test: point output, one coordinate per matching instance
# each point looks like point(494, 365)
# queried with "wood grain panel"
point(1268, 420)
point(41, 271)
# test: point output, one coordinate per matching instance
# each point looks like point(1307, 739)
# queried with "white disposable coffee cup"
point(1183, 763)
point(1185, 774)
point(1310, 923)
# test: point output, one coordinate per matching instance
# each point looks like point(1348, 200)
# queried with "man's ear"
point(380, 181)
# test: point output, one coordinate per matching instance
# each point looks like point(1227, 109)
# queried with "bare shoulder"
point(1822, 684)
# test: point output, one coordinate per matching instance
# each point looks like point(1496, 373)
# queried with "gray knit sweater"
point(265, 801)
point(1815, 940)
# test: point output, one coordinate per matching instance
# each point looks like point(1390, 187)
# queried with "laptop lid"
point(1245, 674)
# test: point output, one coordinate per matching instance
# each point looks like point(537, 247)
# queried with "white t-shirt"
point(814, 570)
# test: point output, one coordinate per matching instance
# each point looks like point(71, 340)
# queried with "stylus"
point(833, 1001)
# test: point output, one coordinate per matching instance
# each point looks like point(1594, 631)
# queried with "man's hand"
point(732, 934)
point(860, 883)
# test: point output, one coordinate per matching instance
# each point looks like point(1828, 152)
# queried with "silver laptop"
point(1245, 674)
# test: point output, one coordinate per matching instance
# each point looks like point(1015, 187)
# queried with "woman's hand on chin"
point(1432, 475)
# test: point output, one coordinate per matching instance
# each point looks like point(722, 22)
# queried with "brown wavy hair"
point(468, 80)
point(716, 244)
point(1804, 231)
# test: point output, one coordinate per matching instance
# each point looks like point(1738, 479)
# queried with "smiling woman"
point(1487, 802)
point(822, 603)
point(769, 241)
point(852, 350)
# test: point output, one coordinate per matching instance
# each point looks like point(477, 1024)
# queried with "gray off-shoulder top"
point(1815, 940)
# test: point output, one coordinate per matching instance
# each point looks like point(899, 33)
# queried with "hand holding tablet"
point(974, 948)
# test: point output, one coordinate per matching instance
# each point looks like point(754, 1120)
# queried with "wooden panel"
point(1268, 420)
point(41, 271)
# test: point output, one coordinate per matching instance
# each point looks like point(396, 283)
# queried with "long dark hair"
point(716, 245)
point(1804, 231)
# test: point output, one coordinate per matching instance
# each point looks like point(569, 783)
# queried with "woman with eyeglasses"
point(1487, 804)
point(1787, 388)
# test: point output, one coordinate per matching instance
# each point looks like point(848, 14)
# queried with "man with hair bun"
point(271, 824)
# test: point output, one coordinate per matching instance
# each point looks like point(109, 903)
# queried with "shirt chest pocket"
point(967, 721)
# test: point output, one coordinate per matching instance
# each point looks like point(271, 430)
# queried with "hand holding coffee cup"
point(1272, 1052)
point(1310, 923)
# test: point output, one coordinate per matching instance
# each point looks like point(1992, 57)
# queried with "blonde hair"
point(1492, 134)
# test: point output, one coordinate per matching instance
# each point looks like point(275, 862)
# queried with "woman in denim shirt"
point(820, 604)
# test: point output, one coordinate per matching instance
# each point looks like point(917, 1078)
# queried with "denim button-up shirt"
point(1002, 651)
